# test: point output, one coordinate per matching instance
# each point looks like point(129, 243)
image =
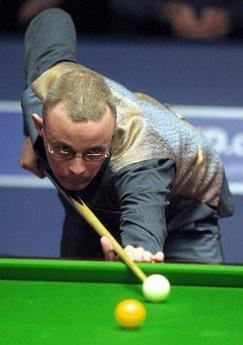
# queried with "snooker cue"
point(90, 217)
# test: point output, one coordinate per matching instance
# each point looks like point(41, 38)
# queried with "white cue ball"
point(156, 288)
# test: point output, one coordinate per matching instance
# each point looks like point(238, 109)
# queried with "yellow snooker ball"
point(130, 313)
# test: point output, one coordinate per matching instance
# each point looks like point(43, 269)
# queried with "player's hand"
point(213, 23)
point(30, 8)
point(136, 254)
point(28, 159)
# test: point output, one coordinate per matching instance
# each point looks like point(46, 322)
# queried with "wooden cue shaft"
point(89, 216)
point(101, 230)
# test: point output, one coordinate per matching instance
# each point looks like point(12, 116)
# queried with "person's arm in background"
point(197, 19)
point(190, 19)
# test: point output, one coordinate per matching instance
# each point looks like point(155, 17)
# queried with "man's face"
point(62, 133)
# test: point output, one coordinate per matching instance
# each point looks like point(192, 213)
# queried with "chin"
point(74, 185)
point(74, 188)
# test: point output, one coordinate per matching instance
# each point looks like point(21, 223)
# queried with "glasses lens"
point(95, 157)
point(62, 155)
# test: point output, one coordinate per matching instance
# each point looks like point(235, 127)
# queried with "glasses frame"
point(99, 157)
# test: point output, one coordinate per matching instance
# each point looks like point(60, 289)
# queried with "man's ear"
point(38, 121)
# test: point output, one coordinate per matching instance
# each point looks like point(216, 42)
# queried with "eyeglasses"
point(61, 154)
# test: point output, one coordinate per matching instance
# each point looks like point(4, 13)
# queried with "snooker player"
point(150, 177)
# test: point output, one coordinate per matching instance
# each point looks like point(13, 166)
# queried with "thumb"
point(107, 248)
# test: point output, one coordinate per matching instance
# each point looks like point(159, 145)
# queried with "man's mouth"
point(74, 182)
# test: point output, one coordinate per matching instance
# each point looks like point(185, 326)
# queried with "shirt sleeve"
point(30, 104)
point(142, 190)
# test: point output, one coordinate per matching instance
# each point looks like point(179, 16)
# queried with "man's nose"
point(77, 166)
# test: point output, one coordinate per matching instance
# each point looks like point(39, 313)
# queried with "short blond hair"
point(84, 94)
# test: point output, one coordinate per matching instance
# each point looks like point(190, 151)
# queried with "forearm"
point(143, 193)
point(49, 40)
